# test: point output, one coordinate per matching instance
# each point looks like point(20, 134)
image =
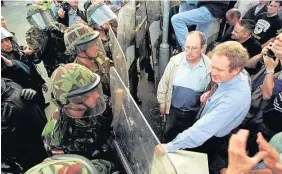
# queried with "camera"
point(270, 54)
point(66, 7)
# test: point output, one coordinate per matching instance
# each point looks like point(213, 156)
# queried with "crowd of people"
point(235, 85)
point(208, 93)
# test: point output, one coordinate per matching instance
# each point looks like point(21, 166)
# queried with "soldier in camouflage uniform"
point(81, 124)
point(45, 39)
point(85, 44)
point(100, 17)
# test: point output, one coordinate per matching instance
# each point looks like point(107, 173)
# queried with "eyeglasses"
point(191, 48)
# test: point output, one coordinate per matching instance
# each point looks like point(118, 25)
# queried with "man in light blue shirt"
point(182, 84)
point(224, 110)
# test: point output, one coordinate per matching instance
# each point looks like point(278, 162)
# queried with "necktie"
point(213, 89)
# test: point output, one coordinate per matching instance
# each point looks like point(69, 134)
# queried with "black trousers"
point(177, 122)
point(213, 147)
point(133, 79)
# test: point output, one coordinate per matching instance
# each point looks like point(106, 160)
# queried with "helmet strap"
point(88, 109)
point(86, 55)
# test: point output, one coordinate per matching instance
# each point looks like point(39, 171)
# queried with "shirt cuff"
point(171, 147)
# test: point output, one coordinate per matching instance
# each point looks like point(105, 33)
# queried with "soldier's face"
point(6, 45)
point(106, 26)
point(78, 110)
point(92, 50)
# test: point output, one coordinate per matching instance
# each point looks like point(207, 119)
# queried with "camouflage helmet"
point(71, 80)
point(66, 163)
point(77, 35)
point(37, 16)
point(33, 9)
point(99, 13)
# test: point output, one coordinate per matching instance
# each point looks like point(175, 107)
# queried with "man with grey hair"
point(184, 80)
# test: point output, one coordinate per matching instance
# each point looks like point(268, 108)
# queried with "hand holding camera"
point(64, 8)
point(271, 55)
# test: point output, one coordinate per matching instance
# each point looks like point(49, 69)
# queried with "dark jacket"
point(19, 72)
point(36, 79)
point(65, 20)
point(251, 12)
point(216, 8)
point(21, 127)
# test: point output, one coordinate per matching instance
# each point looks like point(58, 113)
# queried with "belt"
point(183, 110)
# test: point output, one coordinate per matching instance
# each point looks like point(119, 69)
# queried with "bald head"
point(194, 46)
point(233, 16)
point(200, 35)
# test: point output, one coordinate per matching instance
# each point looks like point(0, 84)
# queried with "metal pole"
point(164, 47)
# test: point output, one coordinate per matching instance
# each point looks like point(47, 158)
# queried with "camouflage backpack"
point(74, 164)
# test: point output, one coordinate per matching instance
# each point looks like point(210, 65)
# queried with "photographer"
point(54, 9)
point(69, 13)
point(266, 85)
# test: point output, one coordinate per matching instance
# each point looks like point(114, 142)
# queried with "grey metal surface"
point(164, 48)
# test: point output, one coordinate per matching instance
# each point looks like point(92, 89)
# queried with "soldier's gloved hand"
point(28, 94)
point(53, 29)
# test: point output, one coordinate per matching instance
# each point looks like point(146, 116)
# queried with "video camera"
point(66, 7)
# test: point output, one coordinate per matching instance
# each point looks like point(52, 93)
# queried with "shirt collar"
point(231, 82)
point(199, 64)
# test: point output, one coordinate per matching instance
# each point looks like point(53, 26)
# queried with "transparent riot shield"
point(118, 58)
point(125, 31)
point(154, 33)
point(154, 9)
point(141, 24)
point(135, 139)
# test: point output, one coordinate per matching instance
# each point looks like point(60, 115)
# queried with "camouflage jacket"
point(100, 65)
point(47, 47)
point(63, 135)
